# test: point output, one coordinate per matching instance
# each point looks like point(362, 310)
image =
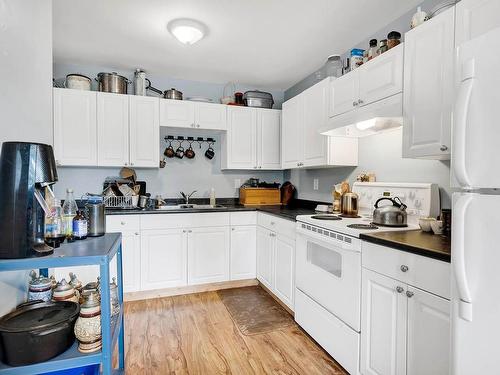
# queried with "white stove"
point(328, 266)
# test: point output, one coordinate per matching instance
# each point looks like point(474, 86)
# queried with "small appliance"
point(95, 210)
point(26, 170)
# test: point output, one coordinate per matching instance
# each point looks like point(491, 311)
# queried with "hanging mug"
point(179, 153)
point(189, 153)
point(169, 151)
point(210, 153)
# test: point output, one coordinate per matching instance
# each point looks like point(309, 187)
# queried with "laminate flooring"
point(194, 334)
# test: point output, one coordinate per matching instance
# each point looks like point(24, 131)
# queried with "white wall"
point(25, 95)
point(381, 154)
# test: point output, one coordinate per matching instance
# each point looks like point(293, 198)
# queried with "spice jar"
point(372, 51)
point(382, 47)
point(393, 39)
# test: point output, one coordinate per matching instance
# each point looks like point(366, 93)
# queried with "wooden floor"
point(194, 334)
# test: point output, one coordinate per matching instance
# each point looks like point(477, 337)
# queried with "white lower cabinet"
point(163, 258)
point(243, 252)
point(208, 255)
point(265, 257)
point(131, 261)
point(284, 265)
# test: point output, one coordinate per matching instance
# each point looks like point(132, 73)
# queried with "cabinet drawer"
point(244, 218)
point(276, 224)
point(165, 221)
point(123, 223)
point(422, 272)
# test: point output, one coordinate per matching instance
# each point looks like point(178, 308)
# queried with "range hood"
point(374, 118)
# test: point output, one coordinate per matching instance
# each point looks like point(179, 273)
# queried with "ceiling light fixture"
point(187, 31)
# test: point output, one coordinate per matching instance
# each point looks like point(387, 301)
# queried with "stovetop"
point(351, 226)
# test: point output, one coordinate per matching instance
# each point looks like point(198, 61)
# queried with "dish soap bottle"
point(212, 197)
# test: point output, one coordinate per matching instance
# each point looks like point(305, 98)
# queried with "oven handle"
point(328, 241)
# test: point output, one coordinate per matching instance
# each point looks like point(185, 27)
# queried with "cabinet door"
point(268, 139)
point(265, 257)
point(428, 350)
point(208, 255)
point(177, 113)
point(163, 258)
point(144, 131)
point(112, 130)
point(243, 252)
point(383, 325)
point(75, 127)
point(381, 77)
point(291, 133)
point(344, 94)
point(428, 82)
point(242, 138)
point(210, 116)
point(131, 261)
point(475, 17)
point(284, 270)
point(315, 144)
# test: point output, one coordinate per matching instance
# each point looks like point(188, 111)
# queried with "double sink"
point(190, 207)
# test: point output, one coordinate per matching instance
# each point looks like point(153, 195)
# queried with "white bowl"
point(425, 223)
point(437, 226)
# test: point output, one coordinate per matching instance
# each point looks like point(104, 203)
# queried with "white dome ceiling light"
point(187, 31)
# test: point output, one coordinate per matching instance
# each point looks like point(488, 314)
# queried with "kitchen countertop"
point(413, 241)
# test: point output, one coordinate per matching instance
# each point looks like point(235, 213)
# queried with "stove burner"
point(350, 216)
point(326, 217)
point(362, 226)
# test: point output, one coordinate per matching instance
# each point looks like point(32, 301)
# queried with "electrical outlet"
point(316, 184)
point(237, 183)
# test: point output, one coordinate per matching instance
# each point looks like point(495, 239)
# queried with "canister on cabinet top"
point(96, 217)
point(140, 82)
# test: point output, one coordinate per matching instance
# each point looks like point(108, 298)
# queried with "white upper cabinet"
point(177, 113)
point(252, 140)
point(144, 131)
point(75, 127)
point(210, 116)
point(302, 144)
point(381, 77)
point(112, 130)
point(188, 114)
point(344, 94)
point(291, 134)
point(428, 88)
point(475, 17)
point(268, 139)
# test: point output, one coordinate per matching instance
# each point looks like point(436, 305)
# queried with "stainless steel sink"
point(189, 207)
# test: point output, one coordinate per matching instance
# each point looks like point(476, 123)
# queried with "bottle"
point(372, 51)
point(212, 197)
point(393, 39)
point(79, 226)
point(54, 234)
point(382, 47)
point(69, 212)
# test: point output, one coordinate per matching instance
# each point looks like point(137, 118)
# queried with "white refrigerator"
point(475, 166)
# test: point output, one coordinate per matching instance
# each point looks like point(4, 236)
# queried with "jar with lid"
point(382, 47)
point(393, 39)
point(40, 288)
point(356, 58)
point(372, 51)
point(333, 66)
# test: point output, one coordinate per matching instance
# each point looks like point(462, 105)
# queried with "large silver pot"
point(390, 215)
point(112, 82)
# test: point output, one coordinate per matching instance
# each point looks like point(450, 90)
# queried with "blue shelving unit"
point(92, 251)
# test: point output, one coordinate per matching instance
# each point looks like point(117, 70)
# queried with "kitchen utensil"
point(210, 153)
point(259, 99)
point(77, 82)
point(287, 193)
point(394, 215)
point(189, 153)
point(96, 218)
point(143, 201)
point(437, 226)
point(425, 223)
point(173, 94)
point(129, 174)
point(140, 83)
point(349, 204)
point(40, 288)
point(112, 82)
point(37, 331)
point(179, 153)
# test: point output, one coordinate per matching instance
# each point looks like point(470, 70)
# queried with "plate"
point(199, 99)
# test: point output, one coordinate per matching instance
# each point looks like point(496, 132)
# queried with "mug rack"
point(180, 138)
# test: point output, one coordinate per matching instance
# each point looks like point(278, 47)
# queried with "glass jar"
point(356, 58)
point(393, 39)
point(333, 66)
point(382, 47)
point(372, 51)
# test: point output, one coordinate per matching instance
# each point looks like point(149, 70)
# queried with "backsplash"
point(199, 173)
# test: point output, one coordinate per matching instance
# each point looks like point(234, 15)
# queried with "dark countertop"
point(413, 241)
point(286, 212)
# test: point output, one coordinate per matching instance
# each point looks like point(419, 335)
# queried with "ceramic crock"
point(65, 292)
point(88, 325)
point(40, 288)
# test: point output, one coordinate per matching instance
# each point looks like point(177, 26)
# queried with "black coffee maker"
point(26, 169)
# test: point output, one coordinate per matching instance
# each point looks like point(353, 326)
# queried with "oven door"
point(329, 271)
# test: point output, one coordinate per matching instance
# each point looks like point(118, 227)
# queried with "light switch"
point(237, 183)
point(316, 184)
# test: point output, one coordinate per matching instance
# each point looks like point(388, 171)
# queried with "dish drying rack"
point(124, 203)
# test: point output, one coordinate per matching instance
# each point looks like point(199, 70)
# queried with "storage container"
point(259, 99)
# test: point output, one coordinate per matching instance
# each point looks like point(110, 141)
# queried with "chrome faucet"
point(186, 197)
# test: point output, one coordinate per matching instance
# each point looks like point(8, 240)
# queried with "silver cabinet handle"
point(409, 294)
point(443, 148)
point(399, 289)
point(184, 231)
point(260, 167)
point(131, 163)
point(232, 229)
point(354, 104)
point(198, 125)
point(192, 125)
point(123, 223)
point(360, 101)
point(125, 163)
point(190, 231)
point(136, 233)
point(404, 268)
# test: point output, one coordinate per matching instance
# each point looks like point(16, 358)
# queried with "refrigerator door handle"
point(465, 300)
point(462, 104)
